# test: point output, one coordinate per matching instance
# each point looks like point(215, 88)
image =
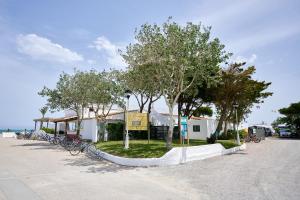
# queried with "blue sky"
point(40, 39)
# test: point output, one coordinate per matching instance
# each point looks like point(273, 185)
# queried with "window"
point(136, 123)
point(196, 128)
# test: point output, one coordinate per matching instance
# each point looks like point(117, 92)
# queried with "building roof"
point(45, 119)
point(64, 119)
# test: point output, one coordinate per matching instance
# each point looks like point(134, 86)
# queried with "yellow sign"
point(137, 121)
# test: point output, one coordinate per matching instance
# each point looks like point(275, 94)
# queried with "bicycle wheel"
point(247, 139)
point(257, 140)
point(75, 150)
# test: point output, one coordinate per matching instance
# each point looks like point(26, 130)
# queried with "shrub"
point(211, 139)
point(231, 134)
point(115, 131)
point(48, 130)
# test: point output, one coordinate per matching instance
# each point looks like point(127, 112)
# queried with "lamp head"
point(127, 93)
point(235, 105)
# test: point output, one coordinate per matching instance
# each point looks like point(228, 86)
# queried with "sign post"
point(183, 130)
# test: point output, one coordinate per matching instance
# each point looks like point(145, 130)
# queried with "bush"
point(231, 134)
point(211, 139)
point(48, 130)
point(61, 132)
point(115, 131)
point(138, 135)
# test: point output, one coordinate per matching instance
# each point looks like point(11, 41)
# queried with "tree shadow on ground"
point(239, 152)
point(95, 165)
point(40, 146)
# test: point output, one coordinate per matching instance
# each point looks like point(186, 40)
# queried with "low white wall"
point(175, 156)
point(9, 134)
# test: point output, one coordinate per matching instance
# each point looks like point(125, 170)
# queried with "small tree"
point(71, 93)
point(104, 92)
point(43, 111)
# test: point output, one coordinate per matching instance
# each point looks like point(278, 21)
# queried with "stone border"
point(8, 135)
point(175, 156)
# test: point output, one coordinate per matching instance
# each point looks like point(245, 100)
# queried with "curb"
point(175, 156)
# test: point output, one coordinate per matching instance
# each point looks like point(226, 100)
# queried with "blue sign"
point(183, 120)
point(183, 123)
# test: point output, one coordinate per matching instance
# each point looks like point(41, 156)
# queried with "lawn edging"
point(175, 156)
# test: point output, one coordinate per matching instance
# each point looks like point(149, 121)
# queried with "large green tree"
point(238, 87)
point(175, 52)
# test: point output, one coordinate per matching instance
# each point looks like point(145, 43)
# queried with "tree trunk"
point(171, 127)
point(78, 127)
point(225, 127)
point(149, 105)
point(142, 107)
point(179, 122)
point(221, 120)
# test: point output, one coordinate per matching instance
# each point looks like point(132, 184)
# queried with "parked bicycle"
point(252, 138)
point(81, 146)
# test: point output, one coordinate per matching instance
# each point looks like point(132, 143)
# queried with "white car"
point(284, 132)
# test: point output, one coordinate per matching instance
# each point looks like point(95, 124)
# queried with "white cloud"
point(41, 48)
point(251, 59)
point(263, 38)
point(111, 51)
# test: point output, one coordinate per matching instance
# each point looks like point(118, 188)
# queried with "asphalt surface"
point(37, 170)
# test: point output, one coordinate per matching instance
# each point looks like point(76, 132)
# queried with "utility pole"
point(235, 106)
point(127, 94)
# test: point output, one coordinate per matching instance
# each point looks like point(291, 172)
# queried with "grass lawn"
point(156, 148)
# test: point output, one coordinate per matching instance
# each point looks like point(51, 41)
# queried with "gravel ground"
point(37, 170)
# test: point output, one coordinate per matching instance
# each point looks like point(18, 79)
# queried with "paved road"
point(36, 170)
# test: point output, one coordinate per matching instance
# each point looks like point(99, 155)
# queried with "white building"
point(198, 127)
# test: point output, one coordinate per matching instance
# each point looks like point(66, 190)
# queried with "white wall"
point(203, 134)
point(89, 130)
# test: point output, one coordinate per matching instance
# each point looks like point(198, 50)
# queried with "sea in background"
point(14, 130)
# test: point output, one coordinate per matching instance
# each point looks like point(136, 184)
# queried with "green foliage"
point(139, 80)
point(291, 116)
point(103, 92)
point(178, 56)
point(203, 111)
point(44, 110)
point(48, 130)
point(231, 134)
point(238, 86)
point(156, 148)
point(278, 121)
point(115, 131)
point(70, 93)
point(82, 90)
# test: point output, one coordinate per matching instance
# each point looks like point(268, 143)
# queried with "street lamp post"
point(235, 106)
point(127, 95)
